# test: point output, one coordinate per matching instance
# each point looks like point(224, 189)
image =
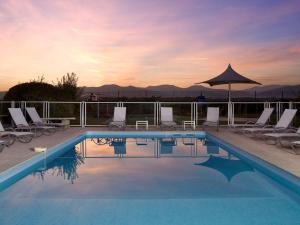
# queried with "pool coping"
point(20, 170)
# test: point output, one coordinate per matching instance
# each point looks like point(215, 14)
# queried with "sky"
point(142, 42)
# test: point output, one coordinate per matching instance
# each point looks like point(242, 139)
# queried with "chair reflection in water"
point(212, 148)
point(141, 141)
point(166, 145)
point(119, 145)
point(188, 141)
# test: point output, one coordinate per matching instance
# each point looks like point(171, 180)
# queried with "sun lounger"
point(2, 145)
point(261, 121)
point(281, 126)
point(166, 117)
point(38, 121)
point(119, 119)
point(294, 145)
point(10, 135)
point(22, 125)
point(278, 138)
point(212, 117)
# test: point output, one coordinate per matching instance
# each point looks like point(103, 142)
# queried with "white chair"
point(295, 146)
point(283, 124)
point(261, 121)
point(212, 117)
point(22, 125)
point(37, 120)
point(2, 145)
point(119, 119)
point(278, 138)
point(11, 135)
point(166, 117)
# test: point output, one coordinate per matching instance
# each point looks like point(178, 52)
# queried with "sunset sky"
point(142, 42)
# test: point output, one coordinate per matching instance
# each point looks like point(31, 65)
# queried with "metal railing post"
point(158, 113)
point(48, 110)
point(154, 114)
point(232, 113)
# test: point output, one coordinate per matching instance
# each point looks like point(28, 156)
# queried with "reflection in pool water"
point(180, 180)
point(65, 166)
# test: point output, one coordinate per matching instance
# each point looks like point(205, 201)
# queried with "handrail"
point(97, 114)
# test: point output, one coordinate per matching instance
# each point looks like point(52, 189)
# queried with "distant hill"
point(262, 92)
point(268, 91)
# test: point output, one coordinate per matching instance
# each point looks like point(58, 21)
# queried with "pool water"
point(172, 180)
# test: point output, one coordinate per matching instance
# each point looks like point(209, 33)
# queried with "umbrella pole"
point(229, 92)
point(229, 105)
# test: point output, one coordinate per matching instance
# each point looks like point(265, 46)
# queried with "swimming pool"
point(148, 178)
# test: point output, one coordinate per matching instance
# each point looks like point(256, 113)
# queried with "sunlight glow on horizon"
point(143, 43)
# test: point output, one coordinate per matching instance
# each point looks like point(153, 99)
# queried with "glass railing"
point(101, 113)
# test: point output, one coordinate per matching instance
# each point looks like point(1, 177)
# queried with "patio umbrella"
point(228, 167)
point(229, 76)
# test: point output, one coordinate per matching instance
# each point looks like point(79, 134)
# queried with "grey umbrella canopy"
point(229, 76)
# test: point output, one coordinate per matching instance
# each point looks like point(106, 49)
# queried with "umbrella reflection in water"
point(228, 167)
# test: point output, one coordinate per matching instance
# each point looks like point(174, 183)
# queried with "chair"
point(11, 135)
point(279, 137)
point(119, 119)
point(166, 117)
point(261, 121)
point(37, 120)
point(2, 145)
point(281, 126)
point(22, 125)
point(294, 145)
point(212, 118)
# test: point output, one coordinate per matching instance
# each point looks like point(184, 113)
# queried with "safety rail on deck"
point(100, 113)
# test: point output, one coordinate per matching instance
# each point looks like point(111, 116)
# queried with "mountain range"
point(267, 91)
point(261, 92)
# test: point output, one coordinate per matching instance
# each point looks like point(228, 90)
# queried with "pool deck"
point(280, 157)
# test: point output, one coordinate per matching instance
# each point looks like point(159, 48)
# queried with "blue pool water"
point(165, 179)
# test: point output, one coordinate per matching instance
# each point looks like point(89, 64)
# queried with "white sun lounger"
point(282, 125)
point(22, 124)
point(261, 121)
point(37, 120)
point(212, 117)
point(279, 137)
point(119, 119)
point(294, 145)
point(2, 145)
point(23, 137)
point(166, 117)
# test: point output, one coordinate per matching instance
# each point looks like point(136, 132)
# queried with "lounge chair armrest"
point(280, 129)
point(36, 124)
point(21, 128)
point(291, 130)
point(268, 126)
point(250, 122)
